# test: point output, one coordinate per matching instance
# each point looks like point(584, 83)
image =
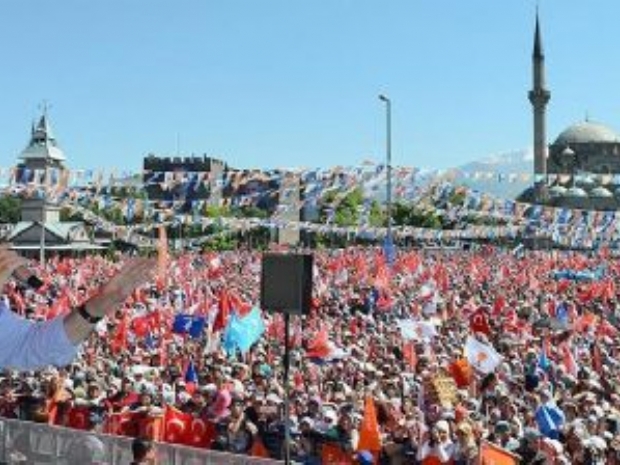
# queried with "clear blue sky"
point(271, 83)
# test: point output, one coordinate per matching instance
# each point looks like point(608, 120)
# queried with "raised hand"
point(133, 274)
point(9, 262)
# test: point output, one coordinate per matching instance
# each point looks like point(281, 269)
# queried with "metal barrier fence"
point(38, 444)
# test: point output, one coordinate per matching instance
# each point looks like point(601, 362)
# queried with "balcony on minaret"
point(539, 97)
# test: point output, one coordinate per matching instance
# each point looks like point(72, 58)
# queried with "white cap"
point(273, 398)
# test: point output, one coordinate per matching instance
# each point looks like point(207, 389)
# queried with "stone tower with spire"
point(42, 166)
point(539, 98)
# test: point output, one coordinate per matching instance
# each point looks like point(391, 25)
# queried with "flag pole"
point(287, 407)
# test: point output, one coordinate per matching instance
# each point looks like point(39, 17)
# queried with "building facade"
point(40, 171)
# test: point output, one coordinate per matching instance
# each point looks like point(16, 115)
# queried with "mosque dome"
point(557, 191)
point(586, 181)
point(587, 132)
point(600, 192)
point(576, 192)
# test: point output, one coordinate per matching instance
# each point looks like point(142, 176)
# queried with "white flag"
point(481, 356)
point(417, 330)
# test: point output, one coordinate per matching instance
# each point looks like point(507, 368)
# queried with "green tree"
point(249, 211)
point(347, 208)
point(68, 214)
point(216, 211)
point(377, 215)
point(220, 242)
point(10, 209)
point(411, 215)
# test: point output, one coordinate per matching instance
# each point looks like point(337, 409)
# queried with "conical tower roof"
point(42, 144)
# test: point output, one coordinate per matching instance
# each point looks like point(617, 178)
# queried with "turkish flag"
point(121, 424)
point(78, 418)
point(479, 323)
point(150, 427)
point(410, 355)
point(119, 338)
point(176, 425)
point(223, 313)
point(201, 433)
point(499, 305)
point(141, 325)
point(241, 307)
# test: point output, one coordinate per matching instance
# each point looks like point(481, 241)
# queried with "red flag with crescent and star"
point(479, 322)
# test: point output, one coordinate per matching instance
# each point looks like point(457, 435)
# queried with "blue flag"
point(241, 333)
point(549, 419)
point(149, 341)
point(561, 313)
point(197, 327)
point(389, 250)
point(189, 324)
point(191, 375)
point(182, 323)
point(543, 361)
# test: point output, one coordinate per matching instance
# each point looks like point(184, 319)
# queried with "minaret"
point(539, 97)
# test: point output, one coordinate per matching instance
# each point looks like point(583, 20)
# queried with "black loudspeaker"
point(286, 283)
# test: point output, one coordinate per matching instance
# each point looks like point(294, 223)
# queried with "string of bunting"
point(428, 189)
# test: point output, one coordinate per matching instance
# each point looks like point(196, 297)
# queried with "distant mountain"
point(500, 175)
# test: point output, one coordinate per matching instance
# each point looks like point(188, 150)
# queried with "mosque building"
point(580, 168)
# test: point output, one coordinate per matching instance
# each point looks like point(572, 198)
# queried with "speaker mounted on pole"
point(286, 287)
point(286, 283)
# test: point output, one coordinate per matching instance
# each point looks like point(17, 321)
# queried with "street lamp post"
point(388, 153)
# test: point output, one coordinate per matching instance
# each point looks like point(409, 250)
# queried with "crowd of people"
point(432, 357)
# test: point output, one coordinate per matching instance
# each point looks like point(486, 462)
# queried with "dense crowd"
point(434, 357)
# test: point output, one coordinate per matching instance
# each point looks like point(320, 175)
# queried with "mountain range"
point(500, 175)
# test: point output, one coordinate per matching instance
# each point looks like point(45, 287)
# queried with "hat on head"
point(502, 427)
point(531, 433)
point(442, 425)
point(331, 415)
point(273, 398)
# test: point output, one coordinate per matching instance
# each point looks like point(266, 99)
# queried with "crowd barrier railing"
point(38, 444)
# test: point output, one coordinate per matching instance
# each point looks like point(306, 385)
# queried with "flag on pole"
point(490, 454)
point(479, 322)
point(550, 419)
point(369, 434)
point(162, 257)
point(410, 355)
point(191, 377)
point(417, 330)
point(389, 250)
point(189, 324)
point(241, 333)
point(568, 359)
point(176, 425)
point(481, 356)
